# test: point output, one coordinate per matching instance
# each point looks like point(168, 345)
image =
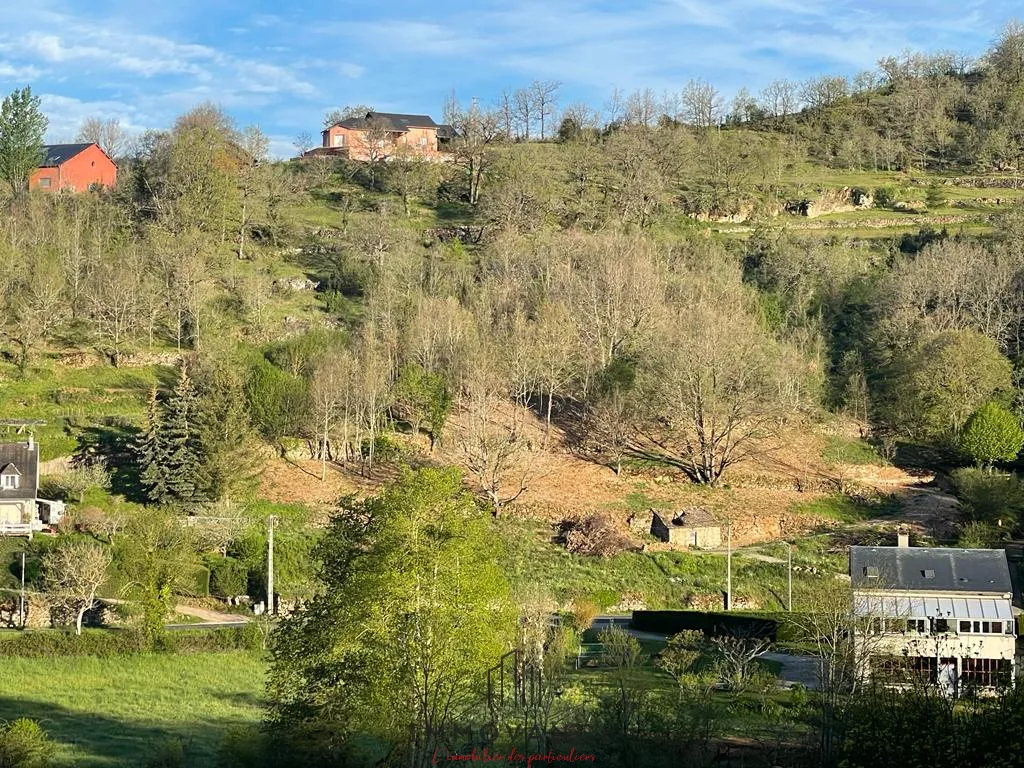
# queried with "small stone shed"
point(693, 527)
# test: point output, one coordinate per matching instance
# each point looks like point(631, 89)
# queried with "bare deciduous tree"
point(107, 133)
point(702, 104)
point(113, 297)
point(780, 98)
point(492, 443)
point(720, 384)
point(544, 94)
point(74, 572)
point(736, 654)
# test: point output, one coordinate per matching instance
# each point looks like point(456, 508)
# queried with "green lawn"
point(112, 712)
point(660, 579)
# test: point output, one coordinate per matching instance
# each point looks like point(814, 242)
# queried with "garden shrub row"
point(126, 642)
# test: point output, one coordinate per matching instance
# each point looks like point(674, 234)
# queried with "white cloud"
point(352, 71)
point(11, 72)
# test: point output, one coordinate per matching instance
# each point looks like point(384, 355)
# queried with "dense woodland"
point(564, 270)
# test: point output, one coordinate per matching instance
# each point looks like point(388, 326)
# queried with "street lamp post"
point(271, 607)
point(728, 568)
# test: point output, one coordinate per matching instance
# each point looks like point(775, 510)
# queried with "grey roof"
point(694, 517)
point(395, 121)
point(26, 459)
point(930, 569)
point(445, 131)
point(58, 154)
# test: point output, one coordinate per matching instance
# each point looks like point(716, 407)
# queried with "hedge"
point(104, 643)
point(710, 623)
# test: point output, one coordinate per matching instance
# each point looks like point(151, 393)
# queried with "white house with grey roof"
point(942, 614)
point(21, 509)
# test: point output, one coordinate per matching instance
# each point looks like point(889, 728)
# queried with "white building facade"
point(935, 614)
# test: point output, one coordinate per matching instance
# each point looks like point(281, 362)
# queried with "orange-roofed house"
point(75, 167)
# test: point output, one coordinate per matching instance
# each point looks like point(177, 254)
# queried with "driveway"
point(796, 669)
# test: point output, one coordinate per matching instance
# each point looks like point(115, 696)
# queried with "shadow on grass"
point(115, 444)
point(96, 740)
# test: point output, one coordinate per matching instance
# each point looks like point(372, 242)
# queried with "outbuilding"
point(74, 167)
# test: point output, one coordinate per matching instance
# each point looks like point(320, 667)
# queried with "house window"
point(903, 669)
point(916, 626)
point(9, 482)
point(985, 673)
point(339, 140)
point(44, 182)
point(940, 626)
point(997, 627)
point(423, 141)
point(965, 626)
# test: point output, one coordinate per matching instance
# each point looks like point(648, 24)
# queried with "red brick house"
point(381, 135)
point(77, 167)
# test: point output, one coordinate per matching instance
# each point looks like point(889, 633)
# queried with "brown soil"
point(756, 497)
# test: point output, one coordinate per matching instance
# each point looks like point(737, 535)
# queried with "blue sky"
point(281, 65)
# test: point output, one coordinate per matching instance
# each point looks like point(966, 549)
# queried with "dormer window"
point(928, 574)
point(10, 478)
point(871, 572)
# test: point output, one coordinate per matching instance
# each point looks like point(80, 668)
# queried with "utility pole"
point(271, 608)
point(790, 602)
point(728, 569)
point(21, 601)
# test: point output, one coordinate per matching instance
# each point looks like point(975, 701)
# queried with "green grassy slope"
point(115, 712)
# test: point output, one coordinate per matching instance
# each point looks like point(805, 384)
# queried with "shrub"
point(24, 744)
point(596, 535)
point(114, 643)
point(934, 196)
point(228, 576)
point(243, 748)
point(386, 449)
point(977, 535)
point(276, 400)
point(885, 197)
point(583, 614)
point(989, 498)
point(992, 434)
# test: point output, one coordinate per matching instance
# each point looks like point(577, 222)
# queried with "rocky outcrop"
point(294, 284)
point(465, 234)
point(989, 182)
point(832, 201)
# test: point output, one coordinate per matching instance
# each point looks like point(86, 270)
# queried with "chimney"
point(902, 539)
point(31, 442)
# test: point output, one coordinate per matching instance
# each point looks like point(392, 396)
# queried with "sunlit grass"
point(113, 712)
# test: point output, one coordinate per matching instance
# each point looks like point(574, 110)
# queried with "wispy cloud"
point(277, 65)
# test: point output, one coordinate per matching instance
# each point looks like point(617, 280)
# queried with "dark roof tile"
point(26, 459)
point(58, 154)
point(395, 121)
point(931, 569)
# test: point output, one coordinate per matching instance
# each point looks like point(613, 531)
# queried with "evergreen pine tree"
point(183, 459)
point(228, 460)
point(153, 453)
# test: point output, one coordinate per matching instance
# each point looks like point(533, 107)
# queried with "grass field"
point(658, 579)
point(113, 712)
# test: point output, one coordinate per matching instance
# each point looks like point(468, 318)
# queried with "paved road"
point(796, 669)
point(206, 625)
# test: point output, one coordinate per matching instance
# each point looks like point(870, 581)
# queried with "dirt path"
point(212, 617)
